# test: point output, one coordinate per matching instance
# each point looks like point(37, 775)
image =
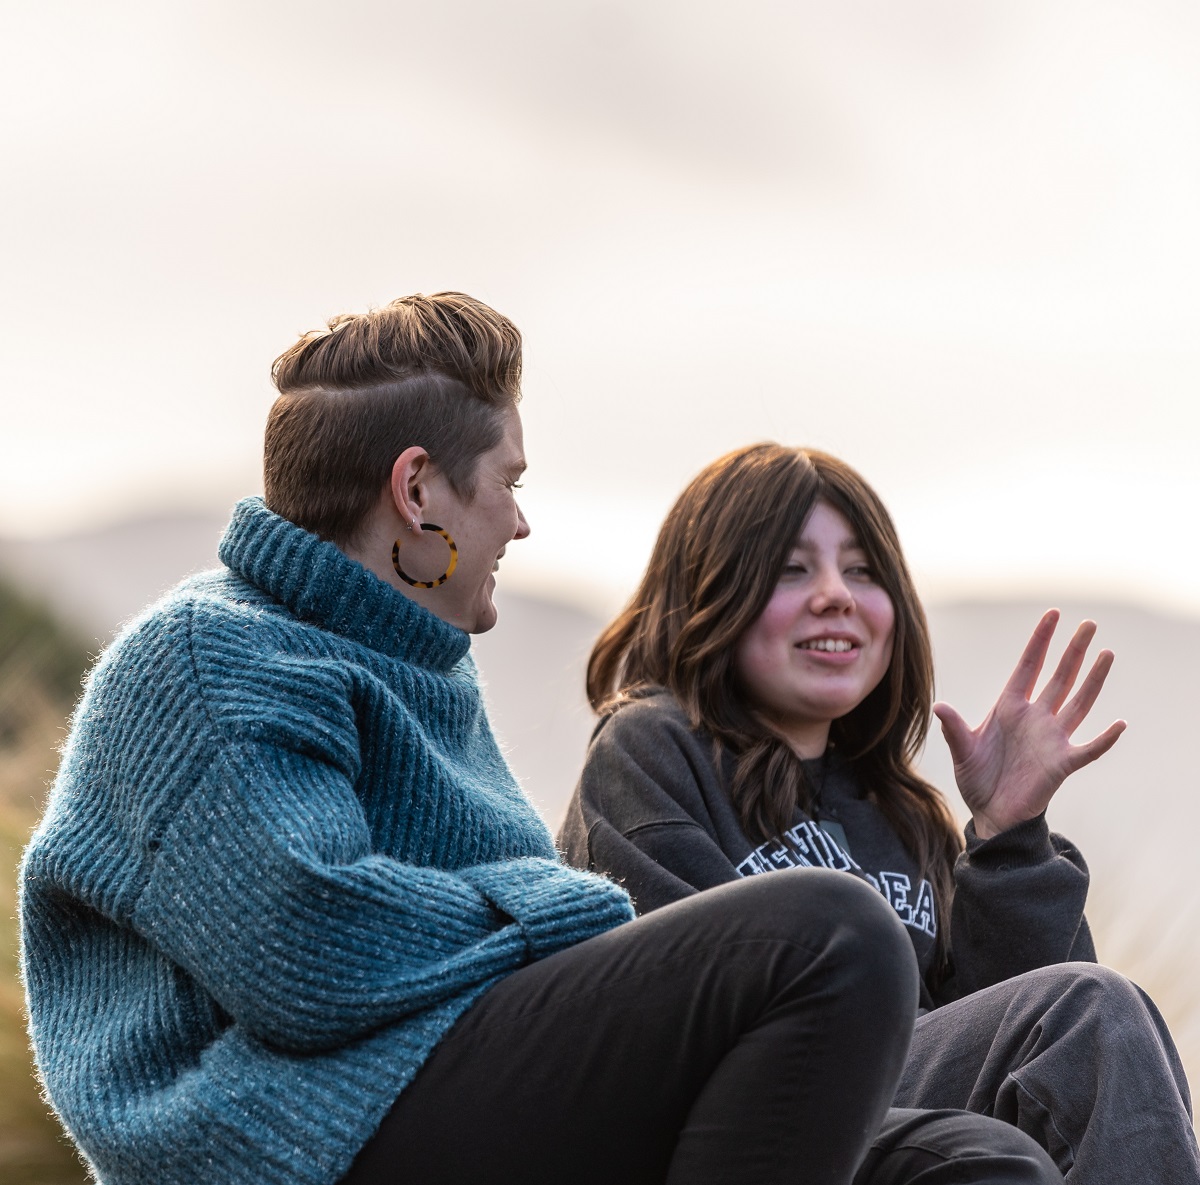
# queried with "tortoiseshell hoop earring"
point(449, 567)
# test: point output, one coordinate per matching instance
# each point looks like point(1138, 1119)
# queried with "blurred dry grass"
point(1152, 941)
point(40, 667)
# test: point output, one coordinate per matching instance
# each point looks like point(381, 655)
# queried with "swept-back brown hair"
point(436, 371)
point(717, 560)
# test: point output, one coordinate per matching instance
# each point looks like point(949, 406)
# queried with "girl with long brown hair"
point(763, 698)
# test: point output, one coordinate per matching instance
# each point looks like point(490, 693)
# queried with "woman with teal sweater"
point(289, 918)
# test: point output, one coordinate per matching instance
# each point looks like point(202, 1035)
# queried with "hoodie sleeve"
point(1018, 905)
point(638, 813)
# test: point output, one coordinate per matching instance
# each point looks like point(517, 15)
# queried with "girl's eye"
point(860, 572)
point(516, 485)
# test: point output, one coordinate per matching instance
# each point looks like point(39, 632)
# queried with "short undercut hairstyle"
point(436, 371)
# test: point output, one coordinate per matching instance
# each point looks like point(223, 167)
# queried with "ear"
point(410, 476)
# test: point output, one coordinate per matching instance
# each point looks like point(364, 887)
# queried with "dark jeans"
point(753, 1033)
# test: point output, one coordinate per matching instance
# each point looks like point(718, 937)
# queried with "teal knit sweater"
point(282, 856)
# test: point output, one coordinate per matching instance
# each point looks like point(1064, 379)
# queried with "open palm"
point(1009, 767)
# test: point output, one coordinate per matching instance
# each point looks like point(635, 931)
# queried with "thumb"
point(954, 730)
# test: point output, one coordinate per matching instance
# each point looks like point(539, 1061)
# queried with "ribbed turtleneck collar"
point(321, 584)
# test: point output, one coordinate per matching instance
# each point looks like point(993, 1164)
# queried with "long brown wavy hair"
point(717, 560)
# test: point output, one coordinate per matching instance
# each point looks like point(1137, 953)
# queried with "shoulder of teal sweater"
point(240, 665)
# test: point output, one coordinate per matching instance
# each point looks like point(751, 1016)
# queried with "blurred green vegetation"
point(41, 665)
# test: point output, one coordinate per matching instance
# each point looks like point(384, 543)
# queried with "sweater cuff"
point(555, 906)
point(1022, 846)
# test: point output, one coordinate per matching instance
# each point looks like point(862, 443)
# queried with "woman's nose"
point(522, 525)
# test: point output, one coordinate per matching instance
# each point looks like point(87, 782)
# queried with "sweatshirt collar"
point(320, 583)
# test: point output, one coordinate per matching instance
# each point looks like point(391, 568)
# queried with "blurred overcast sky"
point(954, 242)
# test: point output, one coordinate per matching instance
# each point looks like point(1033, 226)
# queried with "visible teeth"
point(833, 645)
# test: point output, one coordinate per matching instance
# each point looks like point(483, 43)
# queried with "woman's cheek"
point(776, 619)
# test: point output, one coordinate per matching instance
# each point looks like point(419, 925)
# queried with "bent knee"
point(1099, 989)
point(859, 909)
point(840, 911)
point(802, 894)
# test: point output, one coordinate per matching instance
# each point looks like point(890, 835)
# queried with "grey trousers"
point(1073, 1055)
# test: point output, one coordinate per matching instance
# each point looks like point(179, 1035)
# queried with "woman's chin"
point(486, 615)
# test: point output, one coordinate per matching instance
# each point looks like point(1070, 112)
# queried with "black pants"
point(752, 1033)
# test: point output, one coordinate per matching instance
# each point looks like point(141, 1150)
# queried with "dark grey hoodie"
point(651, 811)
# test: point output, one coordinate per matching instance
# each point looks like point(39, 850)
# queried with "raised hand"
point(1009, 767)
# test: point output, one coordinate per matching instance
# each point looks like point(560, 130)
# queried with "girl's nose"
point(830, 592)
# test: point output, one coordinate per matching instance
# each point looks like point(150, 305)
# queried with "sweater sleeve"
point(266, 889)
point(638, 814)
point(1018, 905)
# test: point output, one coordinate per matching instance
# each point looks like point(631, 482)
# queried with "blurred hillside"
point(1133, 814)
point(96, 579)
point(40, 668)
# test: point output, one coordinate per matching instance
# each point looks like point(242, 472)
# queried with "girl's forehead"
point(827, 525)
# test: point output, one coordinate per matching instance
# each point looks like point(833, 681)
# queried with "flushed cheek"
point(766, 653)
point(777, 622)
point(883, 626)
point(883, 622)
